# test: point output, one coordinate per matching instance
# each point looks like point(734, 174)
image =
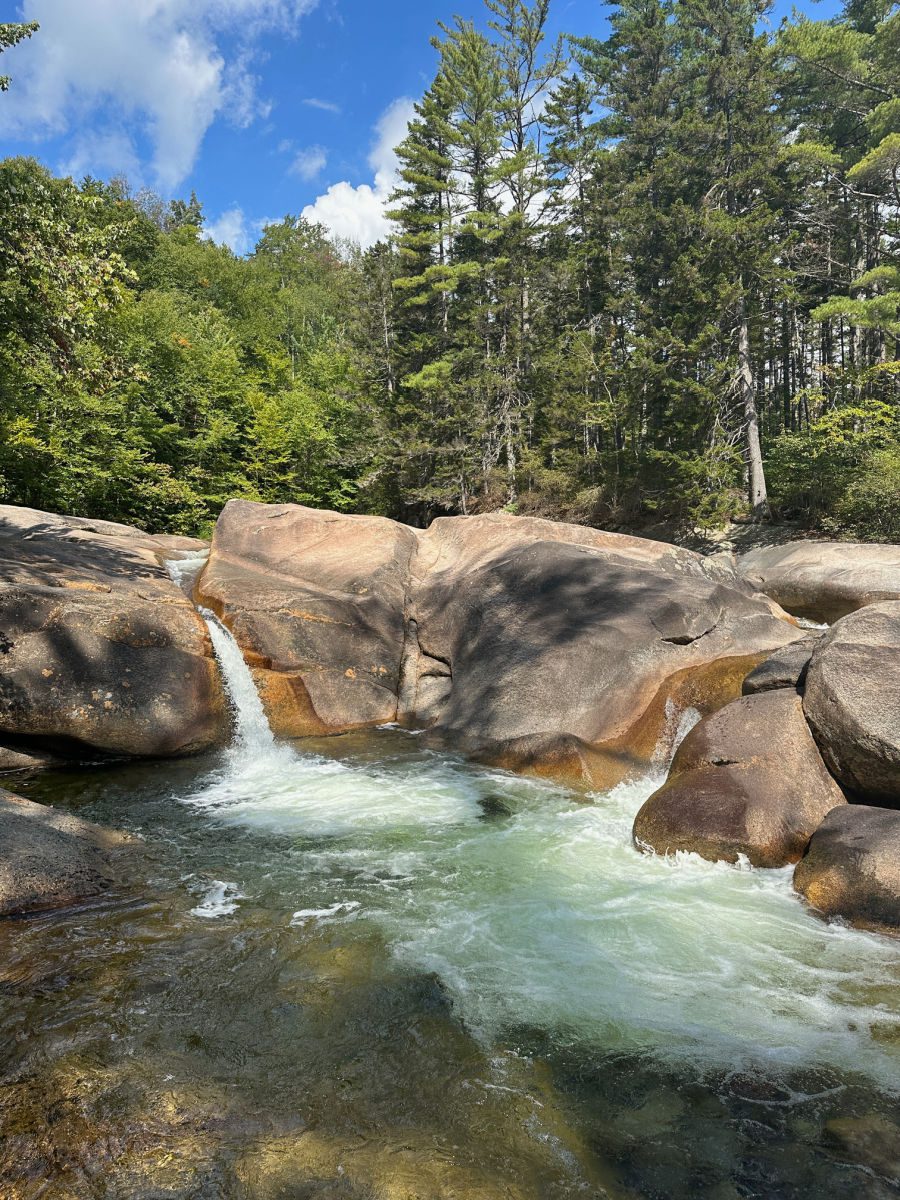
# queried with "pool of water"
point(360, 968)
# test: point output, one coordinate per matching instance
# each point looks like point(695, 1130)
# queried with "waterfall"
point(252, 733)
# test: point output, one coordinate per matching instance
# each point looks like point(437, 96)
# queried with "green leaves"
point(11, 35)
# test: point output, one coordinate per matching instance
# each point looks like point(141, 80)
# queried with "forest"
point(646, 282)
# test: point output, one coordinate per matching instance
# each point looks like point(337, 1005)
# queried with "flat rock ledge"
point(51, 859)
point(786, 668)
point(824, 581)
point(851, 870)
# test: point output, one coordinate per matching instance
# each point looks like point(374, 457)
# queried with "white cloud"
point(104, 154)
point(309, 163)
point(130, 70)
point(231, 230)
point(235, 230)
point(323, 105)
point(358, 213)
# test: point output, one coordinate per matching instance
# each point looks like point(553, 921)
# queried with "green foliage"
point(11, 35)
point(629, 279)
point(813, 471)
point(870, 507)
point(147, 375)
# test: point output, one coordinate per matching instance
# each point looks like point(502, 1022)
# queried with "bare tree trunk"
point(759, 500)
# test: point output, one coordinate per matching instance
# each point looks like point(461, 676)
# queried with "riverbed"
point(360, 968)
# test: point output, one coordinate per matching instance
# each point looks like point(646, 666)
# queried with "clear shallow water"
point(534, 909)
point(360, 968)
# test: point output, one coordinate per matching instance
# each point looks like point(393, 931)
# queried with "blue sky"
point(262, 106)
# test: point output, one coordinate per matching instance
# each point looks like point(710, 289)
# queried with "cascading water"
point(253, 735)
point(252, 732)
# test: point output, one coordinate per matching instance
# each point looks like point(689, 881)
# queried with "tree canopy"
point(650, 279)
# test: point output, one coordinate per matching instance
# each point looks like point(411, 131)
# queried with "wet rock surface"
point(50, 858)
point(852, 867)
point(852, 702)
point(99, 650)
point(748, 781)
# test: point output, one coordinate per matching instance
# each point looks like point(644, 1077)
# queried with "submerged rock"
point(49, 859)
point(537, 645)
point(99, 651)
point(786, 668)
point(824, 581)
point(852, 867)
point(852, 701)
point(748, 780)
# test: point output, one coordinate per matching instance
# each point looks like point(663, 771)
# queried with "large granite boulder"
point(564, 645)
point(852, 867)
point(537, 645)
point(852, 701)
point(748, 781)
point(49, 859)
point(99, 650)
point(824, 581)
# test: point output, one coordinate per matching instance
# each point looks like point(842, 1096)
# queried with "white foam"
point(185, 570)
point(220, 900)
point(549, 917)
point(304, 915)
point(806, 623)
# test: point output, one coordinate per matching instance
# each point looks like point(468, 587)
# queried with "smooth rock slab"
point(824, 581)
point(852, 701)
point(316, 600)
point(747, 780)
point(49, 859)
point(852, 867)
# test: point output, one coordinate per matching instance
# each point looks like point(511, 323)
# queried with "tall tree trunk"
point(758, 496)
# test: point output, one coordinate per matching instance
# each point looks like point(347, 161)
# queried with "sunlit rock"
point(824, 580)
point(852, 701)
point(544, 647)
point(99, 649)
point(748, 781)
point(852, 867)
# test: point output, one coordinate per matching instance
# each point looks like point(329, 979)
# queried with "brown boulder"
point(541, 645)
point(569, 646)
point(824, 580)
point(852, 701)
point(99, 650)
point(748, 780)
point(852, 867)
point(49, 859)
